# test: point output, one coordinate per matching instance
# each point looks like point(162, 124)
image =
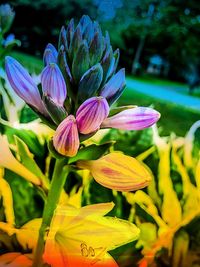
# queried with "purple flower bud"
point(132, 119)
point(50, 54)
point(53, 84)
point(114, 87)
point(23, 84)
point(91, 114)
point(66, 139)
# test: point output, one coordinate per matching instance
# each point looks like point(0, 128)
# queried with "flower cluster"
point(79, 84)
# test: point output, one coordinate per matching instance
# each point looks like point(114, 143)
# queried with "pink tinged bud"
point(53, 84)
point(91, 114)
point(118, 171)
point(66, 139)
point(50, 54)
point(23, 84)
point(132, 119)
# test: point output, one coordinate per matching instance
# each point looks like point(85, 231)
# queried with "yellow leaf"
point(148, 235)
point(171, 208)
point(197, 175)
point(146, 203)
point(7, 160)
point(191, 195)
point(6, 193)
point(188, 147)
point(27, 235)
point(180, 249)
point(7, 228)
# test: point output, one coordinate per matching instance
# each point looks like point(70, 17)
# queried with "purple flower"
point(66, 139)
point(53, 84)
point(23, 84)
point(91, 114)
point(132, 119)
point(50, 54)
point(114, 87)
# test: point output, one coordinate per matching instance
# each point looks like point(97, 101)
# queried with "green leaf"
point(53, 151)
point(27, 202)
point(116, 110)
point(26, 157)
point(91, 152)
point(29, 138)
point(57, 113)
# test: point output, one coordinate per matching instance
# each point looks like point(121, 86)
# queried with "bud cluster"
point(79, 84)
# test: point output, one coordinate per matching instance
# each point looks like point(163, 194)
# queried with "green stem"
point(57, 183)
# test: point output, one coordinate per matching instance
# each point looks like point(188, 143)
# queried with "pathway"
point(164, 93)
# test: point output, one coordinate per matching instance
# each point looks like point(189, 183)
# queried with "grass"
point(157, 81)
point(173, 117)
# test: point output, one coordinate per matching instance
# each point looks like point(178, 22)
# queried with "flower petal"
point(132, 119)
point(23, 84)
point(53, 84)
point(114, 87)
point(91, 114)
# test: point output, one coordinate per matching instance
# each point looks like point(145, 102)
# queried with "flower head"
point(23, 84)
point(91, 114)
point(79, 237)
point(137, 118)
point(66, 140)
point(117, 171)
point(79, 83)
